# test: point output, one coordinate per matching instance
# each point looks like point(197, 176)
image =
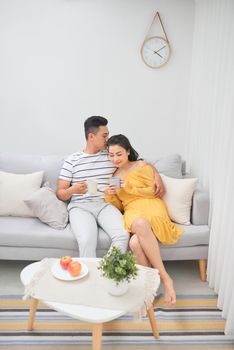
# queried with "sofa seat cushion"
point(31, 232)
point(193, 236)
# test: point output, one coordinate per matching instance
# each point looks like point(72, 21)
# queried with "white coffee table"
point(96, 316)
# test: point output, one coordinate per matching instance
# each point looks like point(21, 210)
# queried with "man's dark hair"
point(92, 124)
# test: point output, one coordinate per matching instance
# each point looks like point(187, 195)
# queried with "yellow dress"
point(137, 200)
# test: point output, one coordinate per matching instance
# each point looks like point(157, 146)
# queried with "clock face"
point(155, 51)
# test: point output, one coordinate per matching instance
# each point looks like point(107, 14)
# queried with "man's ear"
point(90, 136)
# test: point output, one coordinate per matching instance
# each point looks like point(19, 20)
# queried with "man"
point(88, 211)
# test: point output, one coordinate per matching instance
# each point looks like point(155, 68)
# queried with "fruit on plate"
point(74, 268)
point(65, 261)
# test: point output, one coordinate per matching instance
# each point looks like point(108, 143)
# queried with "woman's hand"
point(110, 190)
point(123, 183)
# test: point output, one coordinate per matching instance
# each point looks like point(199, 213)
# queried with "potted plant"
point(120, 268)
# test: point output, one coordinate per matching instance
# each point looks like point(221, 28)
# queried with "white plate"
point(62, 274)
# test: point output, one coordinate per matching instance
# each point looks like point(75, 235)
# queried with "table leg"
point(153, 323)
point(32, 312)
point(97, 336)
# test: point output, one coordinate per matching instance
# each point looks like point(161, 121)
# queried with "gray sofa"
point(26, 238)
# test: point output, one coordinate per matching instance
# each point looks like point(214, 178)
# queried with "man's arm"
point(159, 189)
point(65, 191)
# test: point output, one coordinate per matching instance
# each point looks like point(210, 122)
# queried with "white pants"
point(85, 219)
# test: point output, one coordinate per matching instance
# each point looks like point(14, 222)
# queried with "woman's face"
point(118, 155)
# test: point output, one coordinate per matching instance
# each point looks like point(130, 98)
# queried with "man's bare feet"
point(169, 292)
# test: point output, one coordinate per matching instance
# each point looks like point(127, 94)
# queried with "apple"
point(65, 261)
point(74, 268)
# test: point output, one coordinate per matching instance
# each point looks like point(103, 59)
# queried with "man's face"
point(99, 139)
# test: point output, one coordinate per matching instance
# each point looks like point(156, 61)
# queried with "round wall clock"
point(155, 51)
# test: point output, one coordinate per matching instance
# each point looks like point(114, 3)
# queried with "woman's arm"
point(111, 197)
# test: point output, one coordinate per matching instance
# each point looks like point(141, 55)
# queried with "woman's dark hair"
point(123, 141)
point(92, 124)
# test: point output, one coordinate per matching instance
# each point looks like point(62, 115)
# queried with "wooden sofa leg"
point(202, 267)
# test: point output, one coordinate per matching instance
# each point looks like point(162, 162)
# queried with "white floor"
point(184, 273)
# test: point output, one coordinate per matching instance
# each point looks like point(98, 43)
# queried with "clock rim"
point(153, 37)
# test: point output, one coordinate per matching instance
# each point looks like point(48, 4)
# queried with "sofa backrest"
point(28, 163)
point(171, 165)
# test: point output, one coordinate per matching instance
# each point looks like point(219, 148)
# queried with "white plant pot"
point(119, 289)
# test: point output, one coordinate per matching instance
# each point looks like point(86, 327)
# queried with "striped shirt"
point(81, 166)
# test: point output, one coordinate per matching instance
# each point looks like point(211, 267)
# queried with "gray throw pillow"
point(170, 165)
point(48, 208)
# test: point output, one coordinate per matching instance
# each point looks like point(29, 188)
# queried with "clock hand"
point(161, 48)
point(158, 54)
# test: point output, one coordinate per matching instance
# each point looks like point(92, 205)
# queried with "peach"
point(74, 268)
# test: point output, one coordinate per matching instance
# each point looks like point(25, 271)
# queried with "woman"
point(145, 216)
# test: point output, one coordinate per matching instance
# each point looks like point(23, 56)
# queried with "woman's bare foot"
point(169, 292)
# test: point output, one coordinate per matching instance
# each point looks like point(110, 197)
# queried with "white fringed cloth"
point(92, 290)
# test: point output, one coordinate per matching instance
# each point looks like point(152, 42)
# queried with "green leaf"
point(118, 266)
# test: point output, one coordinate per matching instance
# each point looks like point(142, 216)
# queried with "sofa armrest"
point(200, 207)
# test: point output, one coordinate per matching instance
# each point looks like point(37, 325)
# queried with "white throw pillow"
point(48, 208)
point(14, 188)
point(178, 198)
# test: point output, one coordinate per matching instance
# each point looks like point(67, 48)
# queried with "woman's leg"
point(139, 253)
point(149, 244)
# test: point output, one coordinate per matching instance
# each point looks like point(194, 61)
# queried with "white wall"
point(64, 60)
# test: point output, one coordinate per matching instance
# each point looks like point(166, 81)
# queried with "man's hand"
point(158, 186)
point(79, 188)
point(65, 191)
point(159, 189)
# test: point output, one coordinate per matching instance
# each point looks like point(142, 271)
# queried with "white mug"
point(92, 187)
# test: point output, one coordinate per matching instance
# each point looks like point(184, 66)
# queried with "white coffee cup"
point(92, 186)
point(115, 181)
